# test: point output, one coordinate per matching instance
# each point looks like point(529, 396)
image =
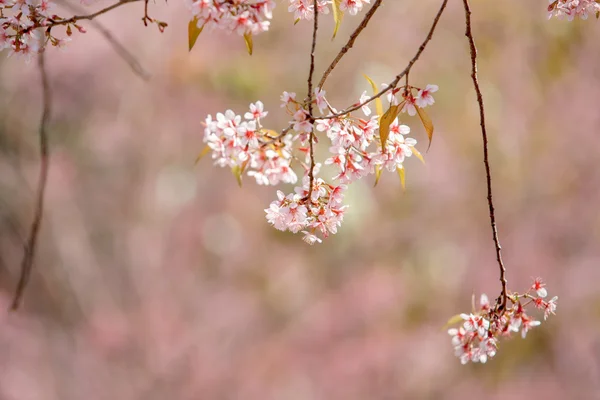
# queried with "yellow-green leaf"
point(452, 321)
point(248, 40)
point(378, 170)
point(338, 15)
point(378, 103)
point(427, 124)
point(204, 152)
point(296, 21)
point(402, 176)
point(384, 124)
point(417, 154)
point(193, 32)
point(237, 172)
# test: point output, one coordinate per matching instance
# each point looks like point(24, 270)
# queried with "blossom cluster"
point(477, 339)
point(24, 26)
point(305, 9)
point(243, 145)
point(245, 17)
point(310, 211)
point(573, 8)
point(355, 145)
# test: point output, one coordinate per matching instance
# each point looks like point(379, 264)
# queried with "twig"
point(363, 24)
point(310, 97)
point(473, 51)
point(116, 45)
point(90, 17)
point(29, 247)
point(394, 83)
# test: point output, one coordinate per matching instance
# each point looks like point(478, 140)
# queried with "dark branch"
point(363, 24)
point(398, 77)
point(29, 247)
point(310, 97)
point(90, 17)
point(501, 304)
point(116, 45)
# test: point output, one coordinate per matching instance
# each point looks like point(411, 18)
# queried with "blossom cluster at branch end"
point(26, 27)
point(477, 339)
point(573, 8)
point(244, 17)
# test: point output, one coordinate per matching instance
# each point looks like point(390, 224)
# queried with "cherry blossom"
point(572, 8)
point(245, 146)
point(304, 9)
point(424, 98)
point(320, 211)
point(353, 6)
point(476, 340)
point(244, 17)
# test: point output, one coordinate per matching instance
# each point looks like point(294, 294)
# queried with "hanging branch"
point(311, 72)
point(29, 247)
point(501, 302)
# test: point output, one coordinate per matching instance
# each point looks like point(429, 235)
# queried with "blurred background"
point(158, 279)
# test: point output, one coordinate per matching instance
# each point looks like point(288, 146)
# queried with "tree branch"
point(394, 83)
point(118, 47)
point(29, 247)
point(363, 24)
point(501, 302)
point(310, 97)
point(90, 17)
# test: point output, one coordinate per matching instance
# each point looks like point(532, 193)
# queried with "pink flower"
point(409, 106)
point(365, 109)
point(550, 307)
point(538, 286)
point(320, 99)
point(527, 324)
point(424, 98)
point(311, 238)
point(302, 124)
point(256, 111)
point(287, 98)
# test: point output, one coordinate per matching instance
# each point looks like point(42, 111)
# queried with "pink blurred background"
point(158, 279)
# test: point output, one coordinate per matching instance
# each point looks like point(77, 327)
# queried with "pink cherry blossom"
point(424, 98)
point(477, 339)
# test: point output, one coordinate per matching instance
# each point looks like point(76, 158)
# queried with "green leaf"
point(237, 172)
point(338, 15)
point(427, 124)
point(385, 122)
point(378, 170)
point(452, 321)
point(378, 103)
point(402, 175)
point(204, 152)
point(417, 154)
point(296, 21)
point(248, 40)
point(193, 32)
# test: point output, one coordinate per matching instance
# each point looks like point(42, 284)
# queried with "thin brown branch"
point(118, 47)
point(501, 304)
point(310, 97)
point(398, 77)
point(90, 17)
point(363, 24)
point(29, 247)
